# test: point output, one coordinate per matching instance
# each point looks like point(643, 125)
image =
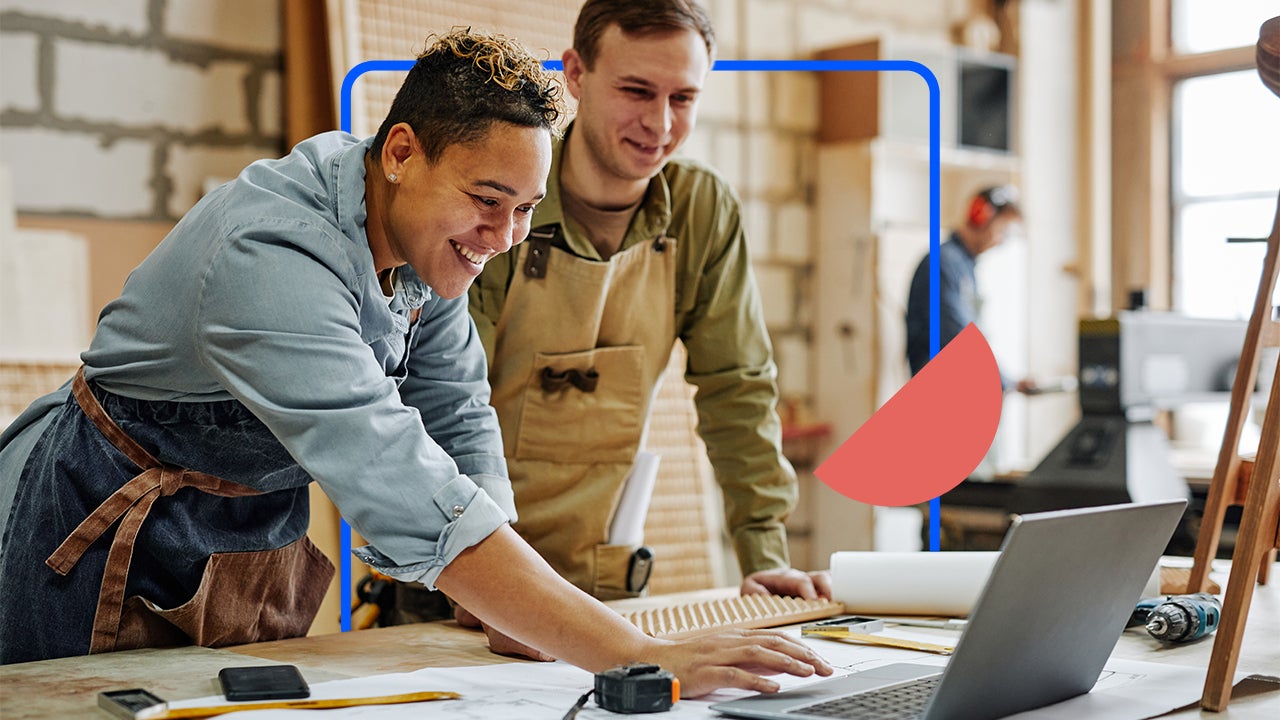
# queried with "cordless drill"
point(1178, 618)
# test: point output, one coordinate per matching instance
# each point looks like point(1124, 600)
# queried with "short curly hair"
point(464, 82)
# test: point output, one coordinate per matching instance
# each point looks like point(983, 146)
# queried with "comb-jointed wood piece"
point(746, 611)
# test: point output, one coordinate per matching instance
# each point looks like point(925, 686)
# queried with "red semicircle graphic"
point(929, 436)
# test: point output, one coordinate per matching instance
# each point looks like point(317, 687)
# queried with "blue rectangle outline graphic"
point(935, 215)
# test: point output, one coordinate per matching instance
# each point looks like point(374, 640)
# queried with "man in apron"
point(631, 250)
point(308, 321)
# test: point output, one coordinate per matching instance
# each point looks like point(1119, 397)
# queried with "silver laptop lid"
point(1041, 631)
point(1056, 602)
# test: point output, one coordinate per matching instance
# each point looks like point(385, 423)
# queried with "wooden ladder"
point(1254, 484)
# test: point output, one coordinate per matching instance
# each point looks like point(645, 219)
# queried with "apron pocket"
point(589, 399)
point(611, 565)
point(243, 597)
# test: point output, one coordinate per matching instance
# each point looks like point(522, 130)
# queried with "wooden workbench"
point(67, 688)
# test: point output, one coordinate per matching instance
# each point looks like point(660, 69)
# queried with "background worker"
point(631, 250)
point(988, 221)
point(308, 321)
point(990, 215)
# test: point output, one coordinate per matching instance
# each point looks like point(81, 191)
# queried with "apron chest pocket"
point(582, 399)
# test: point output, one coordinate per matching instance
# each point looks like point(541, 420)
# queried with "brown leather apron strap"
point(130, 505)
point(117, 437)
point(539, 253)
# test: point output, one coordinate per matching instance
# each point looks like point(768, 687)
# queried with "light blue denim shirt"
point(266, 293)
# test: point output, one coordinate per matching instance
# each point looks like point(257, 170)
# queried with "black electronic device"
point(636, 688)
point(265, 682)
point(985, 104)
point(131, 704)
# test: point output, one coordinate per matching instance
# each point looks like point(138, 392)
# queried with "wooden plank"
point(403, 648)
point(309, 105)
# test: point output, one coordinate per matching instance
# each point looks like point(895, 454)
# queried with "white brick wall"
point(74, 173)
point(17, 73)
point(795, 101)
point(724, 18)
point(771, 169)
point(791, 353)
point(792, 241)
point(726, 155)
point(719, 100)
point(777, 290)
point(698, 144)
point(8, 216)
point(769, 30)
point(134, 94)
point(140, 87)
point(190, 168)
point(271, 105)
point(237, 24)
point(806, 149)
point(114, 15)
point(756, 217)
point(758, 102)
point(820, 28)
point(917, 15)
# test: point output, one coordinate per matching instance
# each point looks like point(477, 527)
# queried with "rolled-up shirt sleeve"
point(293, 348)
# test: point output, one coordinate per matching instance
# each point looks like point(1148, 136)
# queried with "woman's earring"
point(392, 177)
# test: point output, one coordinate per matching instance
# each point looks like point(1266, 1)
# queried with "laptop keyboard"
point(896, 702)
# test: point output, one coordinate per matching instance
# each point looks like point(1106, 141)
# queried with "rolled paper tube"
point(919, 583)
point(910, 583)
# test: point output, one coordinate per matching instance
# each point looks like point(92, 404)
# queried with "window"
point(1206, 25)
point(1225, 152)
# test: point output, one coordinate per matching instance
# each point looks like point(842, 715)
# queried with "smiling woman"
point(257, 351)
point(305, 321)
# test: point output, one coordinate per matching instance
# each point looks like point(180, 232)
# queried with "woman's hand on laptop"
point(736, 659)
point(789, 582)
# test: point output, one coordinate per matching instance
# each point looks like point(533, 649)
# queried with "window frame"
point(1173, 67)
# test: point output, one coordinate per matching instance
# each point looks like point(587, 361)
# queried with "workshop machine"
point(1131, 366)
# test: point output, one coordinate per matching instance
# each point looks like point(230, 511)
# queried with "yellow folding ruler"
point(162, 711)
point(862, 630)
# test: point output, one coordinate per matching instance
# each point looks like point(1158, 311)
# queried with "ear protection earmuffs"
point(988, 203)
point(981, 211)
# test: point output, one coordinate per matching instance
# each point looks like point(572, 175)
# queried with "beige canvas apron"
point(580, 347)
point(243, 596)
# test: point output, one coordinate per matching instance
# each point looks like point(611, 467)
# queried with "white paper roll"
point(627, 525)
point(910, 583)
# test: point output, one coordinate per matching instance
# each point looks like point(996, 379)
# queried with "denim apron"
point(579, 350)
point(138, 544)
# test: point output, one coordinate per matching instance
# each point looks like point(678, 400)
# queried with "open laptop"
point(1057, 600)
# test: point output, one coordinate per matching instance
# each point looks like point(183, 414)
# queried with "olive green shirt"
point(719, 318)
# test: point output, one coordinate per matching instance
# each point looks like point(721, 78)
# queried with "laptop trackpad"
point(768, 705)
